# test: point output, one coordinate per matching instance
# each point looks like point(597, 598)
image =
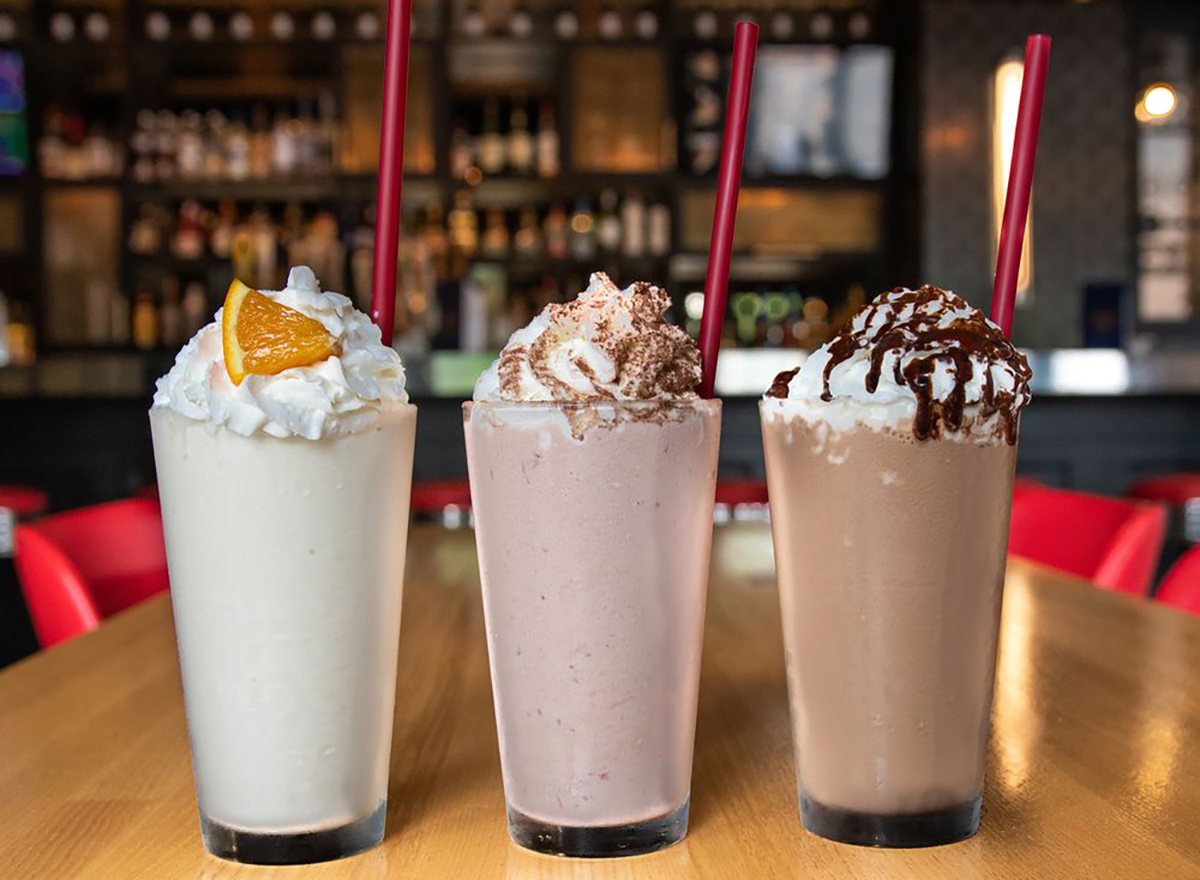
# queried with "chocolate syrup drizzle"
point(919, 339)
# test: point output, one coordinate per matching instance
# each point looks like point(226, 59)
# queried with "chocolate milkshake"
point(890, 460)
point(593, 469)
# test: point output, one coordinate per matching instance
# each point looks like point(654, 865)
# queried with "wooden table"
point(1094, 765)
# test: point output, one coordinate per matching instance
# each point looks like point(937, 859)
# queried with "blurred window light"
point(1006, 99)
point(1158, 102)
point(1095, 371)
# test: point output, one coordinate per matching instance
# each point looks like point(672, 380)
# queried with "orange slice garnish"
point(262, 337)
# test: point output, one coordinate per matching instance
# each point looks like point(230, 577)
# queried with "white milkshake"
point(285, 512)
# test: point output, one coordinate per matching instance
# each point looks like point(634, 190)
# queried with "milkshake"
point(593, 469)
point(890, 459)
point(285, 512)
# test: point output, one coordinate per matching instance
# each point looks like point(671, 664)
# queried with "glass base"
point(892, 830)
point(305, 848)
point(598, 842)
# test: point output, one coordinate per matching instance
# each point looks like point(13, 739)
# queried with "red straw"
point(391, 166)
point(716, 285)
point(1020, 180)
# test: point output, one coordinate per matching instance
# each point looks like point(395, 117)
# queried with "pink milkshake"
point(593, 469)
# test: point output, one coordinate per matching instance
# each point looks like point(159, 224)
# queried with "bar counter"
point(1091, 769)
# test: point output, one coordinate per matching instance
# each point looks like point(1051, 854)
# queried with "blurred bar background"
point(152, 149)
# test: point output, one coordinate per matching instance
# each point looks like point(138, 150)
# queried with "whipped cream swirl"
point(922, 358)
point(336, 396)
point(608, 344)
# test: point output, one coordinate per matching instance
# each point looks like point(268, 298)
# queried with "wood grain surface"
point(1094, 764)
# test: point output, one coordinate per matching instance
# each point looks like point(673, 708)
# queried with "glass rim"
point(687, 403)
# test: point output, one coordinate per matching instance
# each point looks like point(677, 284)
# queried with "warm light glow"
point(1006, 99)
point(1158, 102)
point(693, 304)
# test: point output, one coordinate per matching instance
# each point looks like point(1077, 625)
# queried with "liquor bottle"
point(609, 24)
point(118, 327)
point(216, 166)
point(583, 232)
point(260, 143)
point(434, 236)
point(326, 132)
point(366, 26)
point(491, 148)
point(495, 242)
point(473, 23)
point(859, 25)
point(659, 236)
point(166, 146)
point(324, 26)
point(237, 150)
point(170, 315)
point(608, 223)
point(633, 222)
point(145, 321)
point(520, 141)
point(285, 152)
point(96, 27)
point(460, 151)
point(705, 24)
point(188, 241)
point(556, 231)
point(566, 24)
point(520, 22)
point(195, 308)
point(527, 241)
point(145, 235)
point(782, 24)
point(158, 26)
point(547, 141)
point(645, 23)
point(5, 353)
point(62, 27)
point(190, 146)
point(241, 26)
point(463, 227)
point(264, 247)
point(8, 34)
point(201, 27)
point(283, 26)
point(820, 26)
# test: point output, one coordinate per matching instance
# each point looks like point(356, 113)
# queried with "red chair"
point(24, 502)
point(733, 492)
point(1181, 587)
point(1174, 489)
point(79, 567)
point(433, 496)
point(1109, 541)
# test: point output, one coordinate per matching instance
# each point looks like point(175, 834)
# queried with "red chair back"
point(77, 568)
point(1181, 587)
point(1112, 542)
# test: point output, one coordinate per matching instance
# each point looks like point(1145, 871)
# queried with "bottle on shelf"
point(460, 151)
point(215, 165)
point(463, 231)
point(609, 24)
point(96, 27)
point(521, 149)
point(118, 319)
point(566, 24)
point(705, 24)
point(170, 315)
point(260, 143)
point(633, 225)
point(166, 146)
point(237, 149)
point(62, 27)
point(283, 26)
point(491, 146)
point(195, 308)
point(188, 241)
point(520, 22)
point(556, 230)
point(158, 26)
point(495, 241)
point(241, 26)
point(527, 241)
point(583, 232)
point(201, 27)
point(190, 146)
point(145, 321)
point(285, 152)
point(658, 237)
point(547, 141)
point(324, 25)
point(608, 223)
point(473, 23)
point(5, 353)
point(645, 23)
point(366, 25)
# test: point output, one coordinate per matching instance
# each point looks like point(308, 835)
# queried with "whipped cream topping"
point(336, 396)
point(919, 358)
point(608, 344)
